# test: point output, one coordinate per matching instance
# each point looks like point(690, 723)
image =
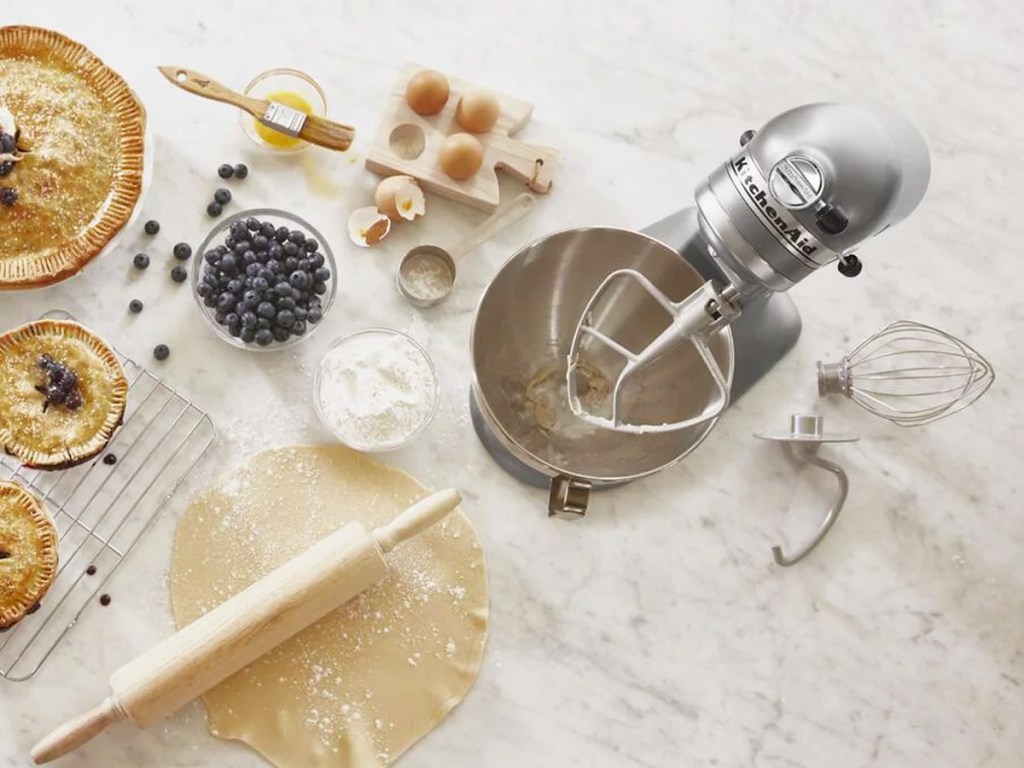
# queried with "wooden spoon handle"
point(201, 85)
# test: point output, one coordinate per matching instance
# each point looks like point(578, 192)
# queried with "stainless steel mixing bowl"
point(521, 335)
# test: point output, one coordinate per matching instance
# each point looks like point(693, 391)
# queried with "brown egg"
point(427, 92)
point(461, 155)
point(478, 111)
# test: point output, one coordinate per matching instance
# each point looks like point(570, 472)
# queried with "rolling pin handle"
point(76, 732)
point(416, 519)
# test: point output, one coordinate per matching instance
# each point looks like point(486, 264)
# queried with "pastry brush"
point(311, 128)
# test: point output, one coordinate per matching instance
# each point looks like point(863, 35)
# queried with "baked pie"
point(28, 553)
point(62, 394)
point(74, 173)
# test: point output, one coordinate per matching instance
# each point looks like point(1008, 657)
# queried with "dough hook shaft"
point(808, 453)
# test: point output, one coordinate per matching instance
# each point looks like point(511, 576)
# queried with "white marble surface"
point(657, 632)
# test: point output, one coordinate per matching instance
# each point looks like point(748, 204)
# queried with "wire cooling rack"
point(102, 509)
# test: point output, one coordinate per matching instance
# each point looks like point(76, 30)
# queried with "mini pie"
point(79, 170)
point(44, 422)
point(28, 553)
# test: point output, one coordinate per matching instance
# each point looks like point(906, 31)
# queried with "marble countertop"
point(657, 632)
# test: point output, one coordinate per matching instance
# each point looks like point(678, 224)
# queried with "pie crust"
point(81, 177)
point(57, 437)
point(28, 553)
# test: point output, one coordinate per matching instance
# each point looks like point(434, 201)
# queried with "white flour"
point(376, 390)
point(427, 277)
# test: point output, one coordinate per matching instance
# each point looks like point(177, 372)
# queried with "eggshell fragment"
point(400, 198)
point(368, 226)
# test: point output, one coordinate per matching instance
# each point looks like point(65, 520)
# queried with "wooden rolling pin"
point(240, 630)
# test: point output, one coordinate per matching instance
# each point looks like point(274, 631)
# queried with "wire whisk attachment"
point(909, 373)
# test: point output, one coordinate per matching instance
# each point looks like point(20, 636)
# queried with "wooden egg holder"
point(409, 143)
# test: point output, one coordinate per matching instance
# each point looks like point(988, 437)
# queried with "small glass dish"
point(275, 81)
point(278, 218)
point(382, 447)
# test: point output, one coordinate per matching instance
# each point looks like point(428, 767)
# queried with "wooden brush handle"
point(201, 85)
point(74, 733)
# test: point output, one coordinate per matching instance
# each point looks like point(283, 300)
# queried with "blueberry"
point(291, 249)
point(286, 302)
point(204, 289)
point(319, 288)
point(252, 224)
point(251, 270)
point(222, 196)
point(7, 143)
point(285, 318)
point(248, 319)
point(260, 243)
point(314, 315)
point(291, 264)
point(182, 251)
point(225, 171)
point(298, 328)
point(235, 329)
point(263, 324)
point(179, 274)
point(225, 302)
point(297, 237)
point(214, 209)
point(228, 264)
point(264, 336)
point(322, 275)
point(300, 313)
point(281, 234)
point(210, 301)
point(283, 289)
point(135, 306)
point(299, 280)
point(241, 171)
point(232, 319)
point(161, 352)
point(236, 286)
point(141, 261)
point(251, 298)
point(223, 281)
point(152, 227)
point(221, 249)
point(262, 257)
point(239, 231)
point(266, 309)
point(220, 317)
point(5, 168)
point(304, 265)
point(267, 229)
point(211, 279)
point(212, 257)
point(248, 335)
point(241, 247)
point(260, 284)
point(310, 245)
point(316, 261)
point(8, 196)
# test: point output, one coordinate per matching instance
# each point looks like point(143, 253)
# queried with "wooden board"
point(533, 165)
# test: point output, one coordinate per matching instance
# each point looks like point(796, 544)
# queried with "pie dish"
point(28, 553)
point(63, 394)
point(80, 166)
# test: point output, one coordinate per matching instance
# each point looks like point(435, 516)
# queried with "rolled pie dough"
point(360, 687)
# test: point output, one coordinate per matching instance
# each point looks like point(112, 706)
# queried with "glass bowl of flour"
point(376, 390)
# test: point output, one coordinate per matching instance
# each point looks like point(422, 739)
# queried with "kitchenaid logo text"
point(763, 202)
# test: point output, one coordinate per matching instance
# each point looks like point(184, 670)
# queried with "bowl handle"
point(569, 497)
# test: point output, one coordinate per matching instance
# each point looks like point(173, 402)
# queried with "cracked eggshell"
point(400, 198)
point(7, 124)
point(368, 226)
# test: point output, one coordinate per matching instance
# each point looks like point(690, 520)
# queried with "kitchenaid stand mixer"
point(805, 190)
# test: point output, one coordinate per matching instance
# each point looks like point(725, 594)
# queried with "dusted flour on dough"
point(360, 687)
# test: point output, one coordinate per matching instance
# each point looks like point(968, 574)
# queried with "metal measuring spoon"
point(427, 273)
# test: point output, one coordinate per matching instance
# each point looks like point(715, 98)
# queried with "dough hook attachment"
point(806, 435)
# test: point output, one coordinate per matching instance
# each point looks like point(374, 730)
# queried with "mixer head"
point(804, 191)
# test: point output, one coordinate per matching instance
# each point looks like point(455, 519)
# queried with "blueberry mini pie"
point(28, 553)
point(62, 394)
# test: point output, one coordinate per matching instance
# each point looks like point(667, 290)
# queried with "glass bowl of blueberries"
point(264, 279)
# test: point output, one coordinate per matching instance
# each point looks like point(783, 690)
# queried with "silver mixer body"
point(804, 191)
